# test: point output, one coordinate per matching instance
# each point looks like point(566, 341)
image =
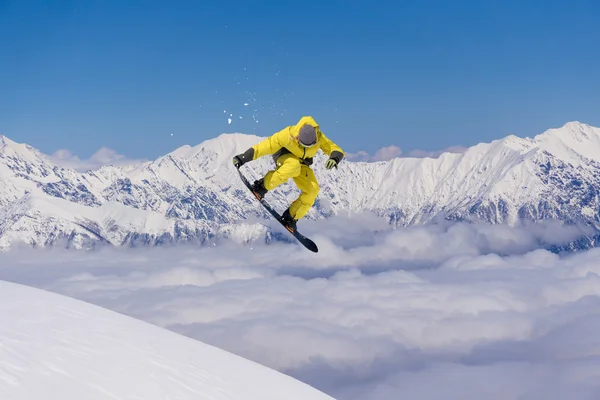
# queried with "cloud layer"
point(104, 156)
point(457, 311)
point(389, 152)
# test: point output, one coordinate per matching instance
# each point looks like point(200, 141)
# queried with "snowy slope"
point(193, 193)
point(55, 347)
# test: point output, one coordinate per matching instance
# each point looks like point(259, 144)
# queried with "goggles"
point(304, 144)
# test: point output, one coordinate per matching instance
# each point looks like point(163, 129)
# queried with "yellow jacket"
point(286, 138)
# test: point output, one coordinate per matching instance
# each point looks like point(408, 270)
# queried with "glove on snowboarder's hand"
point(334, 159)
point(237, 161)
point(243, 158)
point(330, 163)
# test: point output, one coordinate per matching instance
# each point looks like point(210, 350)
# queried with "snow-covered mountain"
point(56, 347)
point(194, 194)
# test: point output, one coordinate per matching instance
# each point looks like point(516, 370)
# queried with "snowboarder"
point(293, 149)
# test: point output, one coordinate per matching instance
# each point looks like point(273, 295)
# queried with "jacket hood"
point(307, 120)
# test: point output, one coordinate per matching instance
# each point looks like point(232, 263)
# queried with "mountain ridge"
point(192, 192)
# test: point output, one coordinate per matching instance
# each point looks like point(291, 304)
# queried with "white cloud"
point(358, 156)
point(383, 154)
point(436, 153)
point(377, 314)
point(104, 156)
point(389, 152)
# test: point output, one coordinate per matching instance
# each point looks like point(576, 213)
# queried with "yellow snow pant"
point(288, 166)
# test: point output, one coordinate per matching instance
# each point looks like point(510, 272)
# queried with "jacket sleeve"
point(330, 148)
point(272, 144)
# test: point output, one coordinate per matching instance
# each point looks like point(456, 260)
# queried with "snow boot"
point(258, 187)
point(288, 220)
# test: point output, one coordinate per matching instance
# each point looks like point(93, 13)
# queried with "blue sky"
point(416, 74)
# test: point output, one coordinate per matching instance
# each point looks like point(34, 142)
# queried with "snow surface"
point(56, 347)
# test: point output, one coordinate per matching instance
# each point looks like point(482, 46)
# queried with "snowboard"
point(309, 244)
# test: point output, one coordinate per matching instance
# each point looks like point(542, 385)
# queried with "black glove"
point(334, 159)
point(243, 158)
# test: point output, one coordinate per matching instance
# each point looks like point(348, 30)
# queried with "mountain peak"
point(575, 125)
point(5, 141)
point(225, 143)
point(573, 142)
point(23, 150)
point(568, 129)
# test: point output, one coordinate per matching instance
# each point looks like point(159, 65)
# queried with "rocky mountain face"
point(194, 194)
